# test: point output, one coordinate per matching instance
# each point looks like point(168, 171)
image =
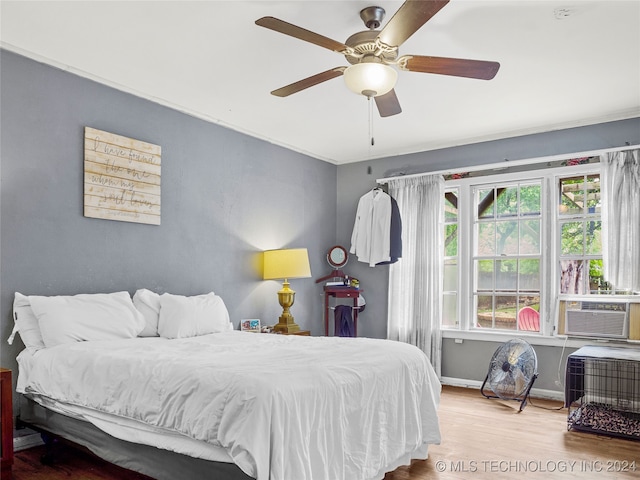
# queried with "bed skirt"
point(151, 461)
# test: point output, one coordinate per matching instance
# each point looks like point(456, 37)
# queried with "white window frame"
point(518, 182)
point(550, 245)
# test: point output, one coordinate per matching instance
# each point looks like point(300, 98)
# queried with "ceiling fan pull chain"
point(371, 121)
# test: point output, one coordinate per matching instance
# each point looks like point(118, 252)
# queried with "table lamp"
point(286, 264)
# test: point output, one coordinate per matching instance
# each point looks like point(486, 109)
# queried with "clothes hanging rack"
point(511, 163)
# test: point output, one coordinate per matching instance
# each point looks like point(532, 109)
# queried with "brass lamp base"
point(286, 297)
point(286, 325)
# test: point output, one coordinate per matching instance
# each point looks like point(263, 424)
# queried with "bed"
point(233, 405)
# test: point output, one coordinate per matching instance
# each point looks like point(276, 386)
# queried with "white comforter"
point(283, 407)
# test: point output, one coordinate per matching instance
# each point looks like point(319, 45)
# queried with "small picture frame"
point(250, 325)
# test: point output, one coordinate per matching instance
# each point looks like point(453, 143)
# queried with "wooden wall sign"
point(121, 178)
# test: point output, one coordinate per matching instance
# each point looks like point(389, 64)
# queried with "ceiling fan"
point(372, 53)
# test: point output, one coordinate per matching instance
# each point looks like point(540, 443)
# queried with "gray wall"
point(225, 198)
point(470, 359)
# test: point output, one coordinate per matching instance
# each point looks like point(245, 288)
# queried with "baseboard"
point(535, 392)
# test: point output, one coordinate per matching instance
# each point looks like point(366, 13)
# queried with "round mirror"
point(337, 256)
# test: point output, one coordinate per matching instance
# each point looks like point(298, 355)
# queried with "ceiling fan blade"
point(388, 104)
point(408, 19)
point(308, 82)
point(456, 67)
point(281, 26)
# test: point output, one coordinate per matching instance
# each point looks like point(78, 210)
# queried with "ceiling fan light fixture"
point(370, 79)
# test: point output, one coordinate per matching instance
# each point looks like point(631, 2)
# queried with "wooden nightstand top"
point(306, 333)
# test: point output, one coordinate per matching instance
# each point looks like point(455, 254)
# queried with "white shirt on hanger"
point(371, 237)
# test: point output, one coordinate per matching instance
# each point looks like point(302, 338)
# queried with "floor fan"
point(512, 371)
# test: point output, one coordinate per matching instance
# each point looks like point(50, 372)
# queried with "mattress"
point(279, 407)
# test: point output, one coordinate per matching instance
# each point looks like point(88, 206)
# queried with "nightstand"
point(6, 424)
point(306, 333)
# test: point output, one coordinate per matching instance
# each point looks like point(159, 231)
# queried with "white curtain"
point(416, 280)
point(621, 219)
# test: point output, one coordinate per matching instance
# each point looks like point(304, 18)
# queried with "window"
point(515, 241)
point(507, 253)
point(451, 277)
point(580, 231)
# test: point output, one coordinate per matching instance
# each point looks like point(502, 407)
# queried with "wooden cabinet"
point(6, 423)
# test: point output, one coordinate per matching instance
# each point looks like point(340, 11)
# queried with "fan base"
point(372, 17)
point(364, 44)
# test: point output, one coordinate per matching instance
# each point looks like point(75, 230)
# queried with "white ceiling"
point(563, 63)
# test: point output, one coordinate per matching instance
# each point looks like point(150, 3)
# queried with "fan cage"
point(512, 371)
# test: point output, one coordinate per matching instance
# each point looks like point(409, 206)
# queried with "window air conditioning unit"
point(597, 319)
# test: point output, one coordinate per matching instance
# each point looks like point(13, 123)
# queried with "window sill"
point(532, 338)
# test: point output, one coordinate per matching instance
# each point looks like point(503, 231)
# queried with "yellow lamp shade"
point(285, 264)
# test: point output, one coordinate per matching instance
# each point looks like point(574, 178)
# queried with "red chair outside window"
point(528, 320)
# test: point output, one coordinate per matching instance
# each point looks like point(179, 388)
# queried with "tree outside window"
point(580, 229)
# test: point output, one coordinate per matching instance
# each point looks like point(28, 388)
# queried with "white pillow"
point(78, 318)
point(182, 317)
point(148, 304)
point(26, 324)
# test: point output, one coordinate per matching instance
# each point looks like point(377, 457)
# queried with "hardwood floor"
point(70, 463)
point(488, 439)
point(481, 439)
